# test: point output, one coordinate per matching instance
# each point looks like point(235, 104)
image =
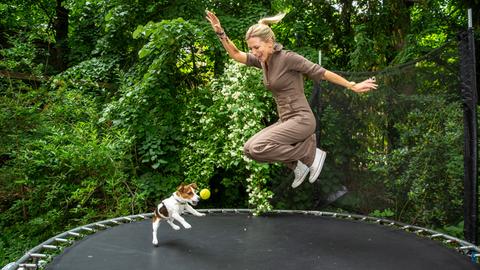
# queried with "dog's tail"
point(156, 215)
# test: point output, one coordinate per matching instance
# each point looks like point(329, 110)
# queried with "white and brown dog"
point(173, 207)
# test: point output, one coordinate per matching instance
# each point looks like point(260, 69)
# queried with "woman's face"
point(260, 48)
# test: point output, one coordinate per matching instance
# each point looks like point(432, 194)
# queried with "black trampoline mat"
point(241, 241)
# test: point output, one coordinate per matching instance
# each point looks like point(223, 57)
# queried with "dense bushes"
point(63, 169)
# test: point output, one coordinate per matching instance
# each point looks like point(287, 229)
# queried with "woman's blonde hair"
point(262, 29)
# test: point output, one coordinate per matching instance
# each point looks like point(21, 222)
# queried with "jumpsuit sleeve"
point(300, 64)
point(253, 61)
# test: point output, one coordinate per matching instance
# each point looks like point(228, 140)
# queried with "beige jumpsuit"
point(292, 138)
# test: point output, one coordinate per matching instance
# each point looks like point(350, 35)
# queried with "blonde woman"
point(292, 139)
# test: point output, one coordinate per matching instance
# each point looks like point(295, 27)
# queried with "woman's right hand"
point(214, 21)
point(232, 51)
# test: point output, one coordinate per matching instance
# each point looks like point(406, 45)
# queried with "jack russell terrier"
point(173, 207)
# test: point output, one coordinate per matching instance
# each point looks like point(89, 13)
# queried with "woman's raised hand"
point(214, 21)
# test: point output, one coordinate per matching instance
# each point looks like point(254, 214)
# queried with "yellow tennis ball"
point(205, 194)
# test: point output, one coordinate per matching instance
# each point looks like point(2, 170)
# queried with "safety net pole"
point(468, 90)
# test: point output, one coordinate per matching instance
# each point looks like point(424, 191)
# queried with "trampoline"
point(235, 239)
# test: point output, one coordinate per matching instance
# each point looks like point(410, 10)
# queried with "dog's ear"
point(181, 187)
point(194, 185)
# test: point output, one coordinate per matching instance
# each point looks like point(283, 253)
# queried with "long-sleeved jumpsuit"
point(292, 138)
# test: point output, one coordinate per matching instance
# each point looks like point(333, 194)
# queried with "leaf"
point(144, 52)
point(139, 31)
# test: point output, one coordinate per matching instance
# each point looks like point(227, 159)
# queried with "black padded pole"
point(316, 108)
point(469, 95)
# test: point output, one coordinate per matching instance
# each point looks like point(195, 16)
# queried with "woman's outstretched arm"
point(231, 49)
point(361, 87)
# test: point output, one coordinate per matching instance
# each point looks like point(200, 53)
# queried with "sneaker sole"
point(320, 167)
point(295, 184)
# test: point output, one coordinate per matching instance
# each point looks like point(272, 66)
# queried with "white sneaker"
point(300, 171)
point(317, 165)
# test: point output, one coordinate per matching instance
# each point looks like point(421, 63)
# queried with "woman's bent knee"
point(259, 151)
point(247, 151)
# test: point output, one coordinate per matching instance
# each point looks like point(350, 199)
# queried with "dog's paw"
point(176, 228)
point(188, 226)
point(155, 243)
point(201, 214)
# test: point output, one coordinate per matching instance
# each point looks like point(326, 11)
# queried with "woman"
point(292, 139)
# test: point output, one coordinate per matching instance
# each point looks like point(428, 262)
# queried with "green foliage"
point(152, 95)
point(86, 28)
point(426, 193)
point(21, 56)
point(75, 174)
point(220, 118)
point(364, 55)
point(118, 19)
point(58, 167)
point(453, 230)
point(95, 77)
point(387, 213)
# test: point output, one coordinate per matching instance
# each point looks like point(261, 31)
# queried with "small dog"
point(173, 207)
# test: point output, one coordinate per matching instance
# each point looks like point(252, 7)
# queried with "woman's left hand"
point(365, 86)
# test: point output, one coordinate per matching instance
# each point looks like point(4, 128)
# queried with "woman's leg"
point(286, 142)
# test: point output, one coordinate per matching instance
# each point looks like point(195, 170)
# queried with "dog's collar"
point(180, 201)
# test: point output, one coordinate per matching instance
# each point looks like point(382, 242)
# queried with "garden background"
point(107, 106)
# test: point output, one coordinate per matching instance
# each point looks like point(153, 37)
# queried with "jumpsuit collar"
point(277, 47)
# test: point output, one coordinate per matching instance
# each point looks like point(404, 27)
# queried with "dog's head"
point(188, 193)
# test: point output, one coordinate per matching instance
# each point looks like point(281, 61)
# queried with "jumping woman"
point(291, 140)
